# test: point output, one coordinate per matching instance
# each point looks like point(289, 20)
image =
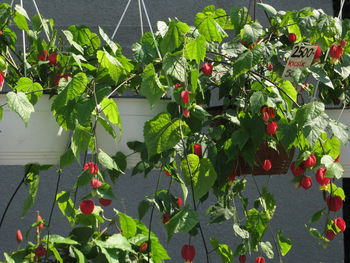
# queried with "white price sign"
point(302, 57)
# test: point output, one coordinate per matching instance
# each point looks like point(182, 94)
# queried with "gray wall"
point(295, 207)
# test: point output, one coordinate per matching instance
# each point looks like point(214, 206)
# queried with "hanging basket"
point(280, 159)
point(42, 141)
point(134, 112)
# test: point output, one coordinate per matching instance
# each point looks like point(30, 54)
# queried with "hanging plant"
point(258, 73)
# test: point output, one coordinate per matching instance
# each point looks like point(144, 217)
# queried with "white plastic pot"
point(42, 141)
point(345, 153)
point(134, 113)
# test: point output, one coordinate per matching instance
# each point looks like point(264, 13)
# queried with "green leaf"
point(317, 216)
point(343, 68)
point(83, 179)
point(162, 133)
point(247, 61)
point(252, 32)
point(56, 253)
point(128, 225)
point(266, 247)
point(110, 109)
point(80, 141)
point(203, 174)
point(268, 9)
point(67, 158)
point(183, 221)
point(32, 175)
point(107, 161)
point(208, 26)
point(174, 65)
point(27, 85)
point(71, 92)
point(111, 64)
point(309, 112)
point(240, 231)
point(57, 239)
point(257, 223)
point(223, 250)
point(20, 18)
point(116, 241)
point(109, 42)
point(257, 100)
point(239, 17)
point(335, 170)
point(107, 126)
point(70, 40)
point(79, 255)
point(320, 74)
point(151, 87)
point(288, 88)
point(143, 208)
point(284, 243)
point(174, 37)
point(66, 205)
point(195, 49)
point(19, 103)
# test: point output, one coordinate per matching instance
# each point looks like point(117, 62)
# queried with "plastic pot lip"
point(112, 97)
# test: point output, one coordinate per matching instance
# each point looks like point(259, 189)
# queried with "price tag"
point(302, 57)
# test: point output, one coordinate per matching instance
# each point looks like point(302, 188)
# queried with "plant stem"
point(151, 217)
point(11, 199)
point(192, 188)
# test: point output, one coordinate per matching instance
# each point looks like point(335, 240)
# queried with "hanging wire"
point(121, 19)
point(140, 13)
point(24, 49)
point(41, 20)
point(150, 26)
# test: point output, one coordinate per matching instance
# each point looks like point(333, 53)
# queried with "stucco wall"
point(295, 207)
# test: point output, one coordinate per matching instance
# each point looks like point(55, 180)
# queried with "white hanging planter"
point(134, 113)
point(41, 142)
point(345, 153)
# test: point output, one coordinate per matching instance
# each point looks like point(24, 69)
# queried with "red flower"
point(178, 85)
point(43, 57)
point(52, 59)
point(179, 202)
point(167, 173)
point(264, 109)
point(336, 51)
point(95, 183)
point(270, 67)
point(259, 260)
point(186, 112)
point(242, 259)
point(144, 247)
point(297, 171)
point(2, 79)
point(19, 236)
point(342, 43)
point(310, 161)
point(41, 225)
point(231, 178)
point(165, 218)
point(59, 77)
point(318, 51)
point(207, 68)
point(188, 252)
point(267, 165)
point(87, 206)
point(271, 112)
point(330, 235)
point(334, 203)
point(337, 159)
point(320, 176)
point(197, 149)
point(306, 182)
point(185, 95)
point(271, 127)
point(265, 116)
point(40, 252)
point(104, 202)
point(93, 167)
point(292, 37)
point(340, 223)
